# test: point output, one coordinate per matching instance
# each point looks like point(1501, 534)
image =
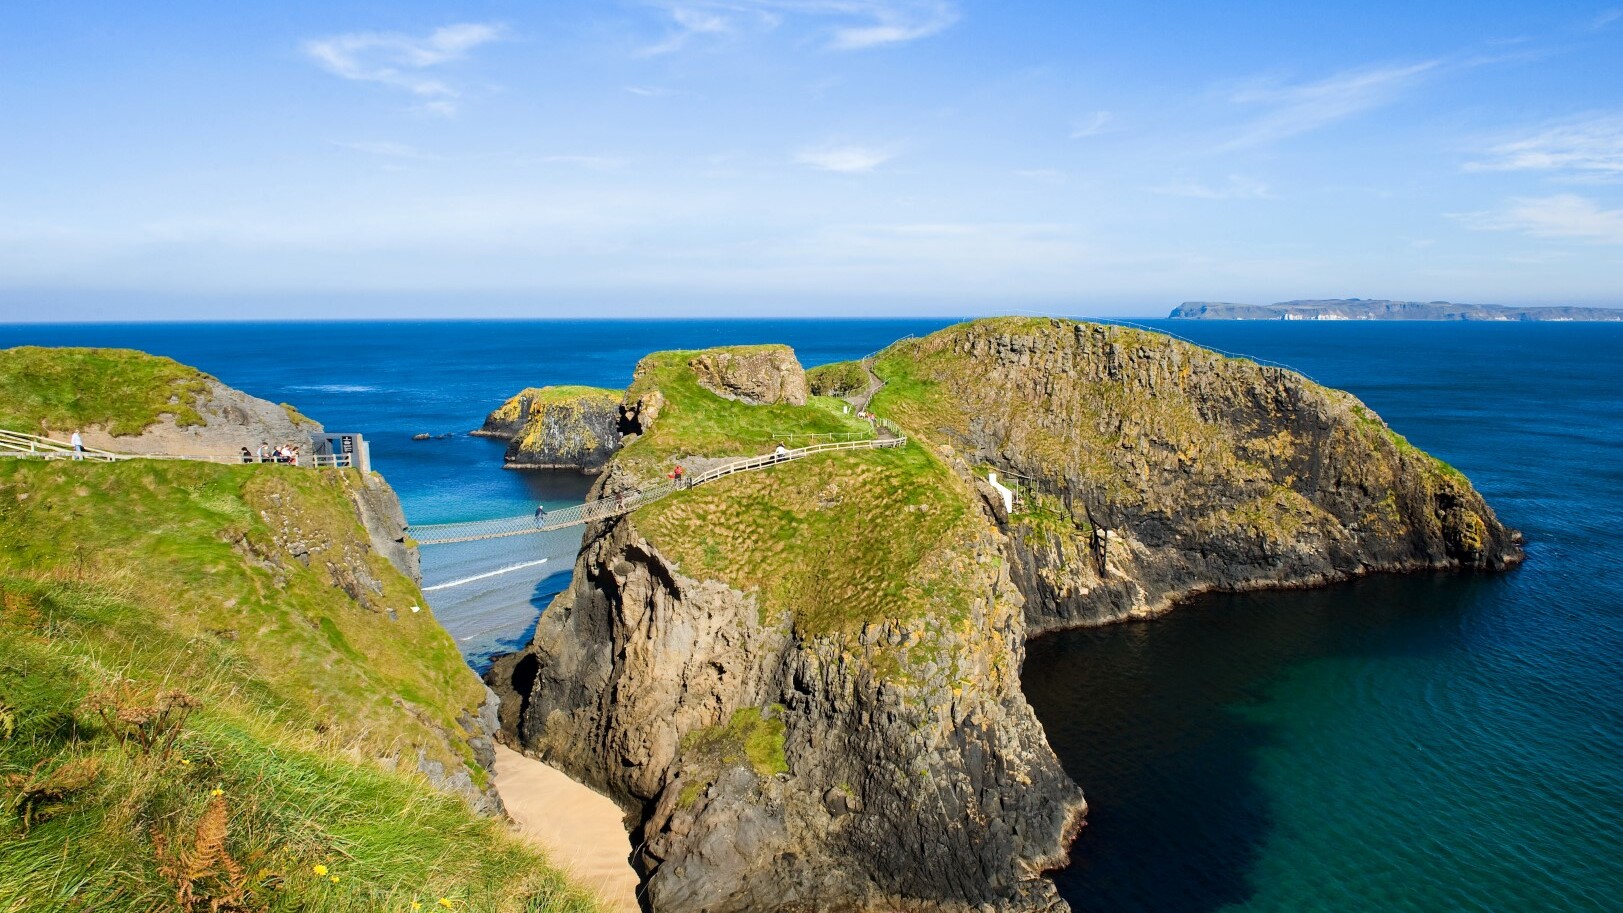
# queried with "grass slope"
point(292, 784)
point(120, 390)
point(693, 421)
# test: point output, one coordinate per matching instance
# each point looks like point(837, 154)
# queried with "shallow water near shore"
point(1427, 742)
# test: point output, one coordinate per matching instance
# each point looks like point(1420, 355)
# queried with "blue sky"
point(852, 157)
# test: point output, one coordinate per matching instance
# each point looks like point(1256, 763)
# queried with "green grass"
point(315, 704)
point(119, 390)
point(693, 421)
point(835, 541)
point(841, 378)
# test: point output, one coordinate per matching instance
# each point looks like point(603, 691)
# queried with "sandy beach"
point(581, 831)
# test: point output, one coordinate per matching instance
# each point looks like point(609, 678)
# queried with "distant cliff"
point(1365, 309)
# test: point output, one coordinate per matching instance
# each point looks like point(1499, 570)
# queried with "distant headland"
point(1369, 309)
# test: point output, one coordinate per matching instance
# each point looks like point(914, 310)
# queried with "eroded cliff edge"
point(803, 683)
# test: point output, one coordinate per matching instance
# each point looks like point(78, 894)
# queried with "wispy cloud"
point(1291, 110)
point(403, 61)
point(1604, 19)
point(1590, 148)
point(1095, 124)
point(844, 159)
point(589, 162)
point(858, 23)
point(387, 149)
point(1235, 188)
point(1561, 216)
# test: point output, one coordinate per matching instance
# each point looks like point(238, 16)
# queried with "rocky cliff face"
point(558, 428)
point(776, 762)
point(752, 374)
point(231, 420)
point(1150, 470)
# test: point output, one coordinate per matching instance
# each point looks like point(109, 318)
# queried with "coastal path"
point(17, 445)
point(626, 502)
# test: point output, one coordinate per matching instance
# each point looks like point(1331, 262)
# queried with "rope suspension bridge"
point(625, 502)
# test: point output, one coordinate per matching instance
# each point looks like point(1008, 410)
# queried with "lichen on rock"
point(752, 374)
point(566, 427)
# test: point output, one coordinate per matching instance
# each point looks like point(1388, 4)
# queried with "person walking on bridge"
point(540, 514)
point(78, 444)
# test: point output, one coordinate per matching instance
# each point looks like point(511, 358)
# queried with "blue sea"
point(1415, 743)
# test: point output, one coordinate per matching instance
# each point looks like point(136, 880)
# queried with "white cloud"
point(1235, 188)
point(860, 23)
point(1591, 148)
point(1561, 216)
point(397, 60)
point(1099, 122)
point(1291, 110)
point(844, 159)
point(1604, 18)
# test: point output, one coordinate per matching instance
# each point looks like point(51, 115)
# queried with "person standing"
point(78, 444)
point(540, 514)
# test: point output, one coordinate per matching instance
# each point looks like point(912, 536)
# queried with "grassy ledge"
point(120, 390)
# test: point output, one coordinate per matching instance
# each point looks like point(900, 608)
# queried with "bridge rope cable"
point(625, 502)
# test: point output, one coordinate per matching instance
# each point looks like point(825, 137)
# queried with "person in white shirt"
point(78, 446)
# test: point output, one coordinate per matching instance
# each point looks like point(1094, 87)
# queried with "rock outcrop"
point(558, 428)
point(890, 767)
point(752, 374)
point(1151, 470)
point(231, 420)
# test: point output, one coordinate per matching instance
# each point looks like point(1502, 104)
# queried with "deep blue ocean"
point(1415, 743)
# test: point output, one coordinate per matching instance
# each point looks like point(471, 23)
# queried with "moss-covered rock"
point(566, 427)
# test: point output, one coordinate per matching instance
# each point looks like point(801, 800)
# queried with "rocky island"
point(802, 685)
point(1366, 309)
point(566, 427)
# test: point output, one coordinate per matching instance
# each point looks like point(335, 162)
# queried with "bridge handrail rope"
point(626, 502)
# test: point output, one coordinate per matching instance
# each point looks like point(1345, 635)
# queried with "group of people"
point(281, 453)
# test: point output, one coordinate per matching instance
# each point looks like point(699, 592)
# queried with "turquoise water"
point(1400, 743)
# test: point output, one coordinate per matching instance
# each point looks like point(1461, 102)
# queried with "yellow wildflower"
point(319, 869)
point(185, 762)
point(445, 902)
point(217, 791)
point(335, 879)
point(416, 905)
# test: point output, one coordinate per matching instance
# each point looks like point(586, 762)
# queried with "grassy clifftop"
point(213, 690)
point(694, 421)
point(835, 542)
point(120, 390)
